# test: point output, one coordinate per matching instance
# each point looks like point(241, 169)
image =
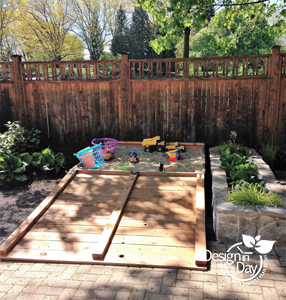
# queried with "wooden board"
point(109, 218)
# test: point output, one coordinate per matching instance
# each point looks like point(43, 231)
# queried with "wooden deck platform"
point(117, 218)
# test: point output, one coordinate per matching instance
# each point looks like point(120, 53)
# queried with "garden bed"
point(231, 221)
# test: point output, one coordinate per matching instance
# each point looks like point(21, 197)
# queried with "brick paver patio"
point(45, 281)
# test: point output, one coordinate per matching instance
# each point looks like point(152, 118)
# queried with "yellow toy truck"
point(155, 143)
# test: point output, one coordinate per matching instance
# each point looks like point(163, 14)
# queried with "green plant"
point(17, 139)
point(12, 167)
point(270, 152)
point(234, 148)
point(48, 161)
point(253, 194)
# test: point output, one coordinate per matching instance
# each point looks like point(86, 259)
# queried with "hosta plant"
point(48, 161)
point(12, 167)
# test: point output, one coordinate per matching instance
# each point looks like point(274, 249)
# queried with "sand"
point(191, 161)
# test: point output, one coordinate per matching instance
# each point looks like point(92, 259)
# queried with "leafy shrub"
point(12, 167)
point(47, 160)
point(234, 148)
point(253, 194)
point(17, 139)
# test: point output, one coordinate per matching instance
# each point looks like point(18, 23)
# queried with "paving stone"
point(32, 286)
point(169, 279)
point(54, 268)
point(138, 292)
point(84, 277)
point(150, 273)
point(47, 290)
point(203, 277)
point(184, 274)
point(100, 294)
point(68, 272)
point(38, 275)
point(18, 280)
point(223, 284)
point(83, 269)
point(227, 295)
point(181, 298)
point(101, 281)
point(5, 275)
point(13, 293)
point(210, 290)
point(169, 290)
point(50, 297)
point(122, 295)
point(51, 279)
point(256, 297)
point(115, 286)
point(67, 294)
point(252, 289)
point(154, 285)
point(30, 297)
point(9, 266)
point(5, 287)
point(195, 294)
point(149, 296)
point(136, 280)
point(84, 289)
point(264, 282)
point(37, 267)
point(117, 276)
point(67, 283)
point(280, 288)
point(190, 284)
point(270, 293)
point(22, 270)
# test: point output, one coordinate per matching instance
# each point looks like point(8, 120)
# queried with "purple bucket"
point(107, 145)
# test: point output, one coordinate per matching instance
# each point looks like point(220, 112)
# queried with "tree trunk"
point(186, 42)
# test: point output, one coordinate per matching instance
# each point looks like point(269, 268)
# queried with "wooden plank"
point(200, 252)
point(177, 259)
point(11, 241)
point(78, 238)
point(109, 230)
point(126, 222)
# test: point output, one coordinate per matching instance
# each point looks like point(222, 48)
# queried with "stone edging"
point(231, 221)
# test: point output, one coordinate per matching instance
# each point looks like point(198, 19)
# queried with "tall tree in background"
point(140, 33)
point(94, 23)
point(120, 41)
point(50, 22)
point(175, 15)
point(8, 15)
point(221, 38)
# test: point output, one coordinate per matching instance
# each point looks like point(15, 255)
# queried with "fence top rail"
point(70, 62)
point(10, 63)
point(201, 58)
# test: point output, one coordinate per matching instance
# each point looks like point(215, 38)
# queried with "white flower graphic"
point(263, 246)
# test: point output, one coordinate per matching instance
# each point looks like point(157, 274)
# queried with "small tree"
point(119, 41)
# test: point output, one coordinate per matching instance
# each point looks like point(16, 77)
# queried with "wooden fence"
point(191, 100)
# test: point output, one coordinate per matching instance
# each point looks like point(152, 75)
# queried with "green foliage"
point(232, 32)
point(252, 194)
point(271, 152)
point(48, 161)
point(12, 167)
point(135, 37)
point(234, 148)
point(175, 15)
point(17, 139)
point(119, 41)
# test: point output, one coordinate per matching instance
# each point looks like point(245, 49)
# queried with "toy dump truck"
point(155, 143)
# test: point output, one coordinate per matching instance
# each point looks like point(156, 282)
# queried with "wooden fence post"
point(274, 95)
point(124, 117)
point(19, 88)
